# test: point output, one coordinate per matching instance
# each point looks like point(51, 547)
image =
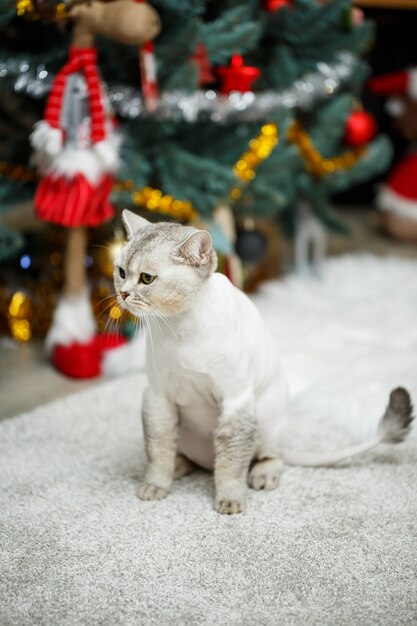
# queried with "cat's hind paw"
point(151, 492)
point(265, 474)
point(230, 507)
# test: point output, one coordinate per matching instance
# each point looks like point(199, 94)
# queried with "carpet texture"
point(328, 547)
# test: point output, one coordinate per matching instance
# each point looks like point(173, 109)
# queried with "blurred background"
point(260, 121)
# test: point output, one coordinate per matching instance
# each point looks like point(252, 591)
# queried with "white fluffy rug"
point(329, 547)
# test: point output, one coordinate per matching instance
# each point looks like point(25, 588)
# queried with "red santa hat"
point(399, 193)
point(403, 82)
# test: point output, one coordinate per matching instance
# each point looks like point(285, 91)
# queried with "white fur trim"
point(412, 83)
point(108, 153)
point(73, 320)
point(395, 106)
point(46, 139)
point(87, 161)
point(391, 202)
point(125, 358)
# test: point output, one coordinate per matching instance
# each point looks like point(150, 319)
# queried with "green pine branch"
point(235, 31)
point(188, 176)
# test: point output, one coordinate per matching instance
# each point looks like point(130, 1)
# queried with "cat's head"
point(162, 267)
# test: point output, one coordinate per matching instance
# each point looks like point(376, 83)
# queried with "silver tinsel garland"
point(201, 105)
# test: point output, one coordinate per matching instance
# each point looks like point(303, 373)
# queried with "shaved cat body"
point(218, 354)
point(217, 396)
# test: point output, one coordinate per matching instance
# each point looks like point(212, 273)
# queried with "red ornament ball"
point(273, 6)
point(360, 128)
point(238, 76)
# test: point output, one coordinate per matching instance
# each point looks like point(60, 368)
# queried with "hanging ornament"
point(273, 6)
point(358, 16)
point(250, 243)
point(237, 76)
point(354, 18)
point(205, 72)
point(360, 128)
point(148, 75)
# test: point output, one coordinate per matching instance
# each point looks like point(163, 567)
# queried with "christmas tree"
point(202, 145)
point(254, 107)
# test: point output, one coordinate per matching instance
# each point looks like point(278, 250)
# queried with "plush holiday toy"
point(397, 197)
point(77, 153)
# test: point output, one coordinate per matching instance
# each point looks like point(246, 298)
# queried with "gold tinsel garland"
point(147, 197)
point(260, 148)
point(317, 164)
point(17, 172)
point(155, 201)
point(27, 8)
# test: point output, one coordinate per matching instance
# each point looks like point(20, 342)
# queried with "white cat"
point(217, 397)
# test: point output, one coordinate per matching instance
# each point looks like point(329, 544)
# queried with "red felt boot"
point(78, 360)
point(83, 360)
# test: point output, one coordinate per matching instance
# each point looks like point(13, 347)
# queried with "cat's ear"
point(196, 248)
point(133, 223)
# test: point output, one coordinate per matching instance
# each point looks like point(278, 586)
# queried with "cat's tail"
point(393, 427)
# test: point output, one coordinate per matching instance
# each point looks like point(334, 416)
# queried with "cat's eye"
point(122, 273)
point(147, 279)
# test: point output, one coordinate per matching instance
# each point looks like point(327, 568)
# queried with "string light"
point(16, 303)
point(315, 163)
point(20, 327)
point(115, 312)
point(115, 247)
point(24, 7)
point(25, 261)
point(21, 330)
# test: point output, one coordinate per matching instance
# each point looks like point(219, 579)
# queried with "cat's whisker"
point(111, 321)
point(98, 245)
point(155, 315)
point(118, 321)
point(108, 328)
point(166, 321)
point(113, 296)
point(107, 307)
point(150, 338)
point(155, 320)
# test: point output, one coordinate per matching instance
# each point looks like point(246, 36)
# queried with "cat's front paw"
point(229, 507)
point(151, 492)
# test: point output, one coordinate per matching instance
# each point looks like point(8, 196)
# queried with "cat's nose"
point(124, 294)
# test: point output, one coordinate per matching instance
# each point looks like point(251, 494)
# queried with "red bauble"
point(237, 77)
point(360, 128)
point(273, 6)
